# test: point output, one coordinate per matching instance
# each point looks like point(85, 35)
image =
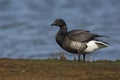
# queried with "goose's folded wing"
point(80, 35)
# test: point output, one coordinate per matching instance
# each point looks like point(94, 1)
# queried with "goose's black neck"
point(61, 35)
point(63, 30)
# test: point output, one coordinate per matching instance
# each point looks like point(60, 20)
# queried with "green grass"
point(55, 69)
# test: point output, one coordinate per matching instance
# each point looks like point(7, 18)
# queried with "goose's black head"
point(59, 22)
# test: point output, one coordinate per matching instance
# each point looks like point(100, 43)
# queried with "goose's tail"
point(97, 35)
point(101, 44)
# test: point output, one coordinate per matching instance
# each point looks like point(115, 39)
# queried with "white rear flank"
point(93, 46)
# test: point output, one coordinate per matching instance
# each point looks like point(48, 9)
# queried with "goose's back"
point(80, 35)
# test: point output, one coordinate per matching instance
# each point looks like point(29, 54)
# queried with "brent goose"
point(77, 41)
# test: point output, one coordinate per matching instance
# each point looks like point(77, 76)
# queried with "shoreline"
point(52, 69)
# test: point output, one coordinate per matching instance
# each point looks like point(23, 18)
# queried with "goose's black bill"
point(53, 24)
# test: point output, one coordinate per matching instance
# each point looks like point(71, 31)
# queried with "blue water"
point(25, 30)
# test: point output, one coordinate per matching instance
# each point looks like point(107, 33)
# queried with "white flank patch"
point(92, 46)
point(75, 45)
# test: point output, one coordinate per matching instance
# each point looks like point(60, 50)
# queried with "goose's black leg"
point(84, 57)
point(78, 57)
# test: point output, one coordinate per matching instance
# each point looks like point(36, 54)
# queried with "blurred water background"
point(25, 30)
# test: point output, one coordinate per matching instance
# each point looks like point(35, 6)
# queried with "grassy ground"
point(20, 69)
